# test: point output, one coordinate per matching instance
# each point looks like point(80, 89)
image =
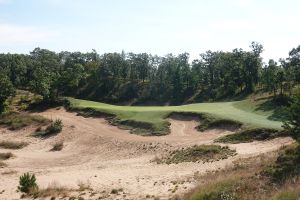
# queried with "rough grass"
point(23, 99)
point(52, 191)
point(12, 145)
point(286, 166)
point(288, 194)
point(54, 128)
point(250, 135)
point(15, 121)
point(218, 191)
point(243, 181)
point(56, 191)
point(205, 153)
point(156, 115)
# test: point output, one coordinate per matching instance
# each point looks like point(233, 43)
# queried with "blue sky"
point(152, 26)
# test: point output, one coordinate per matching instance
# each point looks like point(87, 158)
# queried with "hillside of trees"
point(144, 78)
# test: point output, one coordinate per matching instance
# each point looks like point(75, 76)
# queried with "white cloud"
point(11, 34)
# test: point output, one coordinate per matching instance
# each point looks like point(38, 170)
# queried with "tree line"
point(141, 78)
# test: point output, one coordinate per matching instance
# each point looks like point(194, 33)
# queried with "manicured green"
point(156, 114)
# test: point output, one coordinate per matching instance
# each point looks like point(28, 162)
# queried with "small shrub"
point(55, 127)
point(114, 191)
point(58, 146)
point(286, 166)
point(12, 145)
point(27, 183)
point(5, 156)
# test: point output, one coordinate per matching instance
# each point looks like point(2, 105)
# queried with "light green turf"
point(239, 110)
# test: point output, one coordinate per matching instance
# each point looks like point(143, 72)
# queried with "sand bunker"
point(106, 157)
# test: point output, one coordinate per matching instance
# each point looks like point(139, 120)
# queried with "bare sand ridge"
point(106, 157)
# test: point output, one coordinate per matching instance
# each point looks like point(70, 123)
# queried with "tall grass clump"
point(27, 183)
point(54, 128)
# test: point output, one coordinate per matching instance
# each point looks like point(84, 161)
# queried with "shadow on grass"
point(44, 105)
point(278, 107)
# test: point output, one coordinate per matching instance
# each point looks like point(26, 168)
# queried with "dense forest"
point(148, 79)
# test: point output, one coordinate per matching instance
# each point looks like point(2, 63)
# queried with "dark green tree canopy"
point(141, 78)
point(6, 90)
point(293, 123)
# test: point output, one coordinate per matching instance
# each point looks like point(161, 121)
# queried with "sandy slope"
point(106, 158)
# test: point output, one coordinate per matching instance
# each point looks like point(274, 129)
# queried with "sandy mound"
point(106, 157)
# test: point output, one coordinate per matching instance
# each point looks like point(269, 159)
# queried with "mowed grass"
point(156, 114)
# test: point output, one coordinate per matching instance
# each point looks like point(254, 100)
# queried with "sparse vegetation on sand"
point(250, 135)
point(244, 181)
point(28, 185)
point(205, 153)
point(54, 128)
point(15, 121)
point(286, 166)
point(12, 145)
point(153, 118)
point(54, 191)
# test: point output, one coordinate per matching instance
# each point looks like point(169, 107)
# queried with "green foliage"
point(6, 89)
point(286, 166)
point(55, 127)
point(145, 79)
point(27, 183)
point(292, 125)
point(250, 135)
